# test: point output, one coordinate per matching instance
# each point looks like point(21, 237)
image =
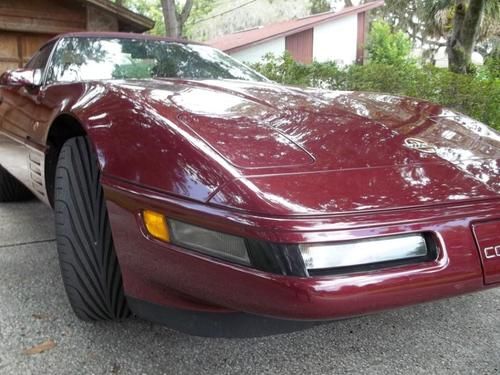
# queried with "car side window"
point(40, 59)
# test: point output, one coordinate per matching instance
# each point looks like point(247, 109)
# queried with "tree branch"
point(186, 11)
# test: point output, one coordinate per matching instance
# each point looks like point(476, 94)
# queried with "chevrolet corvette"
point(190, 190)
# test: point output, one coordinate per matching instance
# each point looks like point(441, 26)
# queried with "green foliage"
point(319, 6)
point(492, 65)
point(429, 22)
point(137, 70)
point(153, 9)
point(475, 95)
point(286, 70)
point(387, 47)
point(201, 9)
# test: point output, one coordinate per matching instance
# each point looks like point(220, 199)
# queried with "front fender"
point(137, 144)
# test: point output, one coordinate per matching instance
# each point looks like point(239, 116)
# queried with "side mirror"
point(22, 77)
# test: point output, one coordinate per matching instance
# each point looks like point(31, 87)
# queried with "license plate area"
point(487, 237)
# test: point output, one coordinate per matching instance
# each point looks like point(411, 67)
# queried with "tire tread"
point(89, 265)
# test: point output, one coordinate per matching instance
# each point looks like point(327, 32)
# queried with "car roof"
point(118, 35)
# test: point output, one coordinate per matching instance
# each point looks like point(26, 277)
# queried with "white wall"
point(441, 58)
point(333, 41)
point(336, 40)
point(256, 53)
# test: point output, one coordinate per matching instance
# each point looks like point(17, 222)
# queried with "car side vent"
point(37, 174)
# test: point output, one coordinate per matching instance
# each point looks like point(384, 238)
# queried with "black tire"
point(89, 266)
point(12, 190)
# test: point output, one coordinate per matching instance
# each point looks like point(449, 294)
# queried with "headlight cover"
point(219, 245)
point(293, 259)
point(364, 252)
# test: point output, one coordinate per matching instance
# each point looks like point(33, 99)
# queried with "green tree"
point(463, 23)
point(176, 16)
point(319, 6)
point(149, 8)
point(387, 47)
point(171, 17)
point(464, 34)
point(492, 65)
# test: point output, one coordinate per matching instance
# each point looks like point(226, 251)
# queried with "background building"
point(27, 24)
point(332, 36)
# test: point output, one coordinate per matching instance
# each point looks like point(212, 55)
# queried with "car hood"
point(317, 151)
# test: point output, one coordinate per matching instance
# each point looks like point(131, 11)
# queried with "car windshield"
point(86, 59)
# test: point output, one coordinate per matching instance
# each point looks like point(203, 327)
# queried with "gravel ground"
point(460, 335)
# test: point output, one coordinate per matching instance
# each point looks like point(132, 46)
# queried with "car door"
point(21, 115)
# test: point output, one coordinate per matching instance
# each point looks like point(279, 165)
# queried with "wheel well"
point(63, 128)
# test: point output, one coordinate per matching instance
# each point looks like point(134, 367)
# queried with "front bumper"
point(165, 275)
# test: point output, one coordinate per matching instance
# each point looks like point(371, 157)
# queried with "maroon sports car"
point(190, 190)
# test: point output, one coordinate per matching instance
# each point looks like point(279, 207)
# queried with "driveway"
point(460, 335)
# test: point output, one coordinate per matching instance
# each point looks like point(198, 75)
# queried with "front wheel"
point(89, 266)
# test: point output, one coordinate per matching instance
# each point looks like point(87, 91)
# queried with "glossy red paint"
point(20, 78)
point(192, 278)
point(238, 144)
point(274, 163)
point(487, 237)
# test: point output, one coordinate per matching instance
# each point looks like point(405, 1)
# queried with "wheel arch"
point(64, 127)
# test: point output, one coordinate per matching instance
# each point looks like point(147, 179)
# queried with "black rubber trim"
point(227, 325)
point(276, 258)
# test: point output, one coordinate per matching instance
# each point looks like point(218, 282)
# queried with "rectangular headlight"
point(210, 242)
point(363, 252)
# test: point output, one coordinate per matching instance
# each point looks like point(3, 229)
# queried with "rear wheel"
point(89, 266)
point(11, 190)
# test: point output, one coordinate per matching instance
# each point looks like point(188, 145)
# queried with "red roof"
point(239, 40)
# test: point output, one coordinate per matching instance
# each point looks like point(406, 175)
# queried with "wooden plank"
point(69, 10)
point(97, 20)
point(16, 49)
point(42, 16)
point(9, 51)
point(4, 66)
point(361, 38)
point(300, 46)
point(44, 27)
point(8, 59)
point(54, 14)
point(31, 43)
point(133, 21)
point(8, 46)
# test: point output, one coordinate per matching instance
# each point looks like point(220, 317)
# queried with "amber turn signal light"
point(156, 224)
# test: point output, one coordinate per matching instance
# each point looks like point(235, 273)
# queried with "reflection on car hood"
point(315, 151)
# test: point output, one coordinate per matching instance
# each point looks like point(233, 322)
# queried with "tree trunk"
point(174, 21)
point(347, 3)
point(463, 37)
point(170, 16)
